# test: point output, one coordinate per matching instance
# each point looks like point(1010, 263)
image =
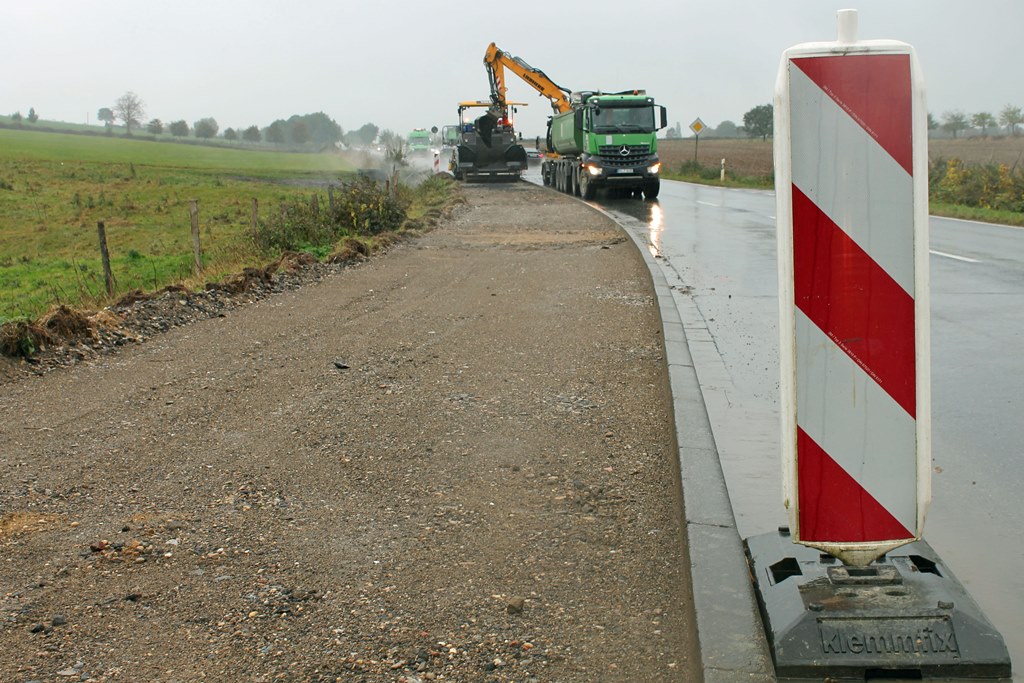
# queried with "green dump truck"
point(605, 141)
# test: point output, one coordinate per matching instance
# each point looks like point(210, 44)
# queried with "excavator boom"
point(496, 61)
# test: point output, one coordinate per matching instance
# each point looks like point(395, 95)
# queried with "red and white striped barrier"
point(851, 186)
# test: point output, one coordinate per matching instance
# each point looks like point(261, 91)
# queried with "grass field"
point(743, 157)
point(55, 188)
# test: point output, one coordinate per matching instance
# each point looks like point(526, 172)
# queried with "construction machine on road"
point(594, 139)
point(487, 146)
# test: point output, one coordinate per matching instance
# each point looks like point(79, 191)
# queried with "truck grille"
point(611, 155)
point(616, 150)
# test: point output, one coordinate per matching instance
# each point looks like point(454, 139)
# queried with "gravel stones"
point(486, 493)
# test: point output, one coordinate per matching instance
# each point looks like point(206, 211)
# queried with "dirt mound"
point(22, 338)
point(65, 324)
point(106, 319)
point(241, 282)
point(61, 326)
point(291, 260)
point(351, 250)
point(132, 297)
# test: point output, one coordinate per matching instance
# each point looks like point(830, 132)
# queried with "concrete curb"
point(733, 644)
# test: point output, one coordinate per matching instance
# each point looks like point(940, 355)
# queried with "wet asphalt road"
point(721, 245)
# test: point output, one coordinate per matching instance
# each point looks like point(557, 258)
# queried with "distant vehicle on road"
point(419, 141)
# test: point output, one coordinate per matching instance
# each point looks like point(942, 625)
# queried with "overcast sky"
point(403, 64)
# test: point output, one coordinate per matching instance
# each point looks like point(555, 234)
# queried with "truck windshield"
point(623, 119)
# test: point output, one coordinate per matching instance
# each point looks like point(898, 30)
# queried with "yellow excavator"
point(488, 145)
point(497, 61)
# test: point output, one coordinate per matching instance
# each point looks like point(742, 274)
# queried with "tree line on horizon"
point(316, 129)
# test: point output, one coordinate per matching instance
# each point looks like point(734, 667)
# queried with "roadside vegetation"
point(56, 189)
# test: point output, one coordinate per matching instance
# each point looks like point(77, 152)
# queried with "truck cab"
point(419, 141)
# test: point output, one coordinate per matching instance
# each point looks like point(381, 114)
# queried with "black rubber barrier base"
point(903, 617)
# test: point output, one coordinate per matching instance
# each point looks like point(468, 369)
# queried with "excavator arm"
point(496, 61)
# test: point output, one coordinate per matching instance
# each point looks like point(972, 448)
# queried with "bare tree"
point(130, 109)
point(396, 150)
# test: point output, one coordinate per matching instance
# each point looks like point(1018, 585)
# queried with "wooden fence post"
point(255, 222)
point(197, 252)
point(108, 277)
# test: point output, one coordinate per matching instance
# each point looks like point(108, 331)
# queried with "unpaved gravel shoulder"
point(455, 462)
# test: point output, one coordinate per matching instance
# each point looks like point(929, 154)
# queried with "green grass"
point(28, 145)
point(970, 213)
point(55, 188)
point(55, 125)
point(730, 181)
point(707, 176)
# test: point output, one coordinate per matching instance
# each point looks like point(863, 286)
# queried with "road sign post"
point(697, 126)
point(851, 194)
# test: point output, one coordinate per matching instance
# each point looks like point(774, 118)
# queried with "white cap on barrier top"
point(847, 20)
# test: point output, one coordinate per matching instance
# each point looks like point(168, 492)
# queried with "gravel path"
point(454, 462)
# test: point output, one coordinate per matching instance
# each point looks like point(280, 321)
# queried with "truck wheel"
point(652, 188)
point(545, 176)
point(575, 189)
point(587, 188)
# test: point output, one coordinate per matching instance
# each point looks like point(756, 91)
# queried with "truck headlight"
point(593, 170)
point(654, 169)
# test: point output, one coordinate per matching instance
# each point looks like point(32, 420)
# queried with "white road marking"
point(953, 256)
